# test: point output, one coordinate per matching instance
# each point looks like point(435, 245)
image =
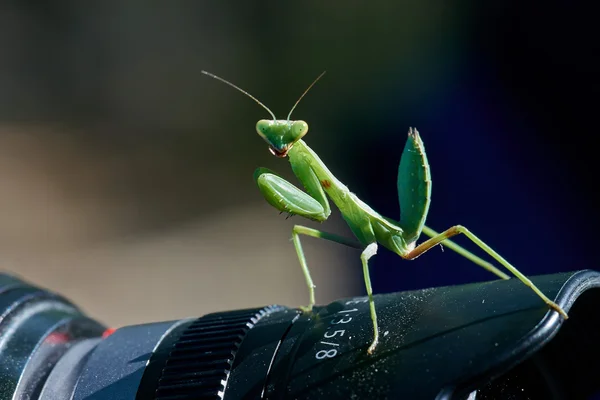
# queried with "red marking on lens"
point(57, 338)
point(108, 332)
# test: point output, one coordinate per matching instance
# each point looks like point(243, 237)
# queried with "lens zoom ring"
point(200, 360)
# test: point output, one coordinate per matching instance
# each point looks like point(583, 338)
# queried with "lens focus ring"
point(200, 360)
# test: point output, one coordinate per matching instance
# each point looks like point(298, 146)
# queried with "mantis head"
point(279, 134)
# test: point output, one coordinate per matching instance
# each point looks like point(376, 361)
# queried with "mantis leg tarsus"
point(367, 253)
point(458, 229)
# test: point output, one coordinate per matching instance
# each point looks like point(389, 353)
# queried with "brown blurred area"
point(65, 226)
point(126, 177)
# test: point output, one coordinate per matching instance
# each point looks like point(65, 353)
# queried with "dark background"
point(113, 142)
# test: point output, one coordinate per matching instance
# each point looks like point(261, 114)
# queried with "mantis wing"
point(414, 187)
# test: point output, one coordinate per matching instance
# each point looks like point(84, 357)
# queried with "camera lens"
point(442, 343)
point(36, 329)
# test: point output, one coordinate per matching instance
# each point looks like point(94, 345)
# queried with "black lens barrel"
point(36, 329)
point(441, 343)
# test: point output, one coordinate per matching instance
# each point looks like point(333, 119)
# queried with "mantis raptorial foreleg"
point(458, 229)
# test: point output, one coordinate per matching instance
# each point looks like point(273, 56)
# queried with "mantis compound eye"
point(263, 127)
point(299, 129)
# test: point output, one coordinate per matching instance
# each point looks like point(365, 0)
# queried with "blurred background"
point(126, 175)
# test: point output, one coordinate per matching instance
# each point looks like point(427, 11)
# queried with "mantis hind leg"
point(467, 254)
point(303, 230)
point(458, 229)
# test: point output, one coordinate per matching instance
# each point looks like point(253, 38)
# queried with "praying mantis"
point(371, 229)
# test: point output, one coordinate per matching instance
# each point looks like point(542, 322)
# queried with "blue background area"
point(510, 136)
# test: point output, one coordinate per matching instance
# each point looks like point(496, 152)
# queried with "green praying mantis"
point(370, 228)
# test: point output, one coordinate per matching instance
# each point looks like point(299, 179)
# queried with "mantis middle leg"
point(303, 230)
point(458, 229)
point(367, 253)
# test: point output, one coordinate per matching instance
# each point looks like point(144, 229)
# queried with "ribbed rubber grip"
point(199, 363)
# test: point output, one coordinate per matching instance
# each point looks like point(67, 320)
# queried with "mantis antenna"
point(306, 91)
point(246, 93)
